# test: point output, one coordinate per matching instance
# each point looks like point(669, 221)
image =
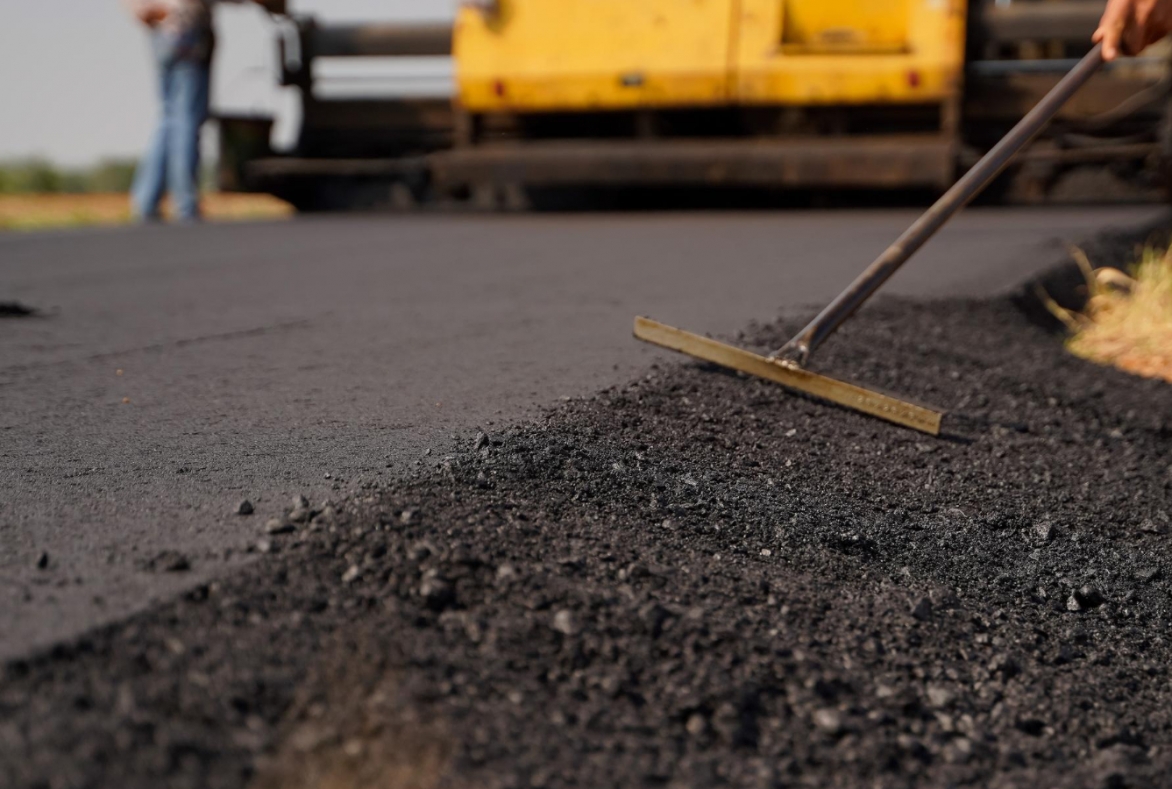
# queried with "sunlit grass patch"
point(51, 211)
point(1127, 321)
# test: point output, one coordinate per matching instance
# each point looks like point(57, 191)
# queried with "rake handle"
point(798, 349)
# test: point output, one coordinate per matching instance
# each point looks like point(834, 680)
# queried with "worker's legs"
point(172, 160)
point(150, 179)
point(188, 109)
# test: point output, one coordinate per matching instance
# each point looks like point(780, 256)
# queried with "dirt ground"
point(48, 211)
point(691, 581)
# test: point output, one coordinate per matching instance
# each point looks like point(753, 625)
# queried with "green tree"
point(38, 176)
point(29, 176)
point(111, 175)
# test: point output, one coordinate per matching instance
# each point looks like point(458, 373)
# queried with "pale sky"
point(77, 83)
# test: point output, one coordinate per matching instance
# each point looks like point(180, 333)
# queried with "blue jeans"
point(172, 160)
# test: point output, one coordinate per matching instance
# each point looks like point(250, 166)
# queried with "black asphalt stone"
point(277, 526)
point(1089, 597)
point(923, 609)
point(589, 604)
point(168, 562)
point(14, 309)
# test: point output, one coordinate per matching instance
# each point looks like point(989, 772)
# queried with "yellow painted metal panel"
point(833, 25)
point(580, 55)
point(594, 54)
point(812, 52)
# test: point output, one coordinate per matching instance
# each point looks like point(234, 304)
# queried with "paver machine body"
point(780, 94)
point(830, 92)
point(538, 56)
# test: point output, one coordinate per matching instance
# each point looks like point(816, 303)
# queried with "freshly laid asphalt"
point(173, 372)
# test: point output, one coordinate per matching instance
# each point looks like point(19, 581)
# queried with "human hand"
point(1130, 26)
point(151, 14)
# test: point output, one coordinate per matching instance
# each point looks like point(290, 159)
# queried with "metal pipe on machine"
point(1073, 20)
point(348, 41)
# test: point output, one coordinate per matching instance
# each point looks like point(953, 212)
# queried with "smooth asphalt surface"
point(258, 359)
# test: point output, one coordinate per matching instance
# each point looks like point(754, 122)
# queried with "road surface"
point(178, 371)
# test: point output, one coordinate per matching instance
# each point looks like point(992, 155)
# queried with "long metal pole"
point(798, 349)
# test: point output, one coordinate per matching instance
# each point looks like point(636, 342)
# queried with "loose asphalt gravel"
point(171, 373)
point(690, 580)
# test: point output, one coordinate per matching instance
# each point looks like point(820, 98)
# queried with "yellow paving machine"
point(780, 94)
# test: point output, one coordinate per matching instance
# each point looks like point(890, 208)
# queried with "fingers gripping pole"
point(798, 349)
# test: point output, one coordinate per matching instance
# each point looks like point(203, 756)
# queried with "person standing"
point(182, 42)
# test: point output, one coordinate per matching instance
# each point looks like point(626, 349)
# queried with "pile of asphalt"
point(695, 580)
point(14, 309)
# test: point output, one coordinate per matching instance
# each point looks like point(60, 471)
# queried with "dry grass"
point(1128, 318)
point(49, 211)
